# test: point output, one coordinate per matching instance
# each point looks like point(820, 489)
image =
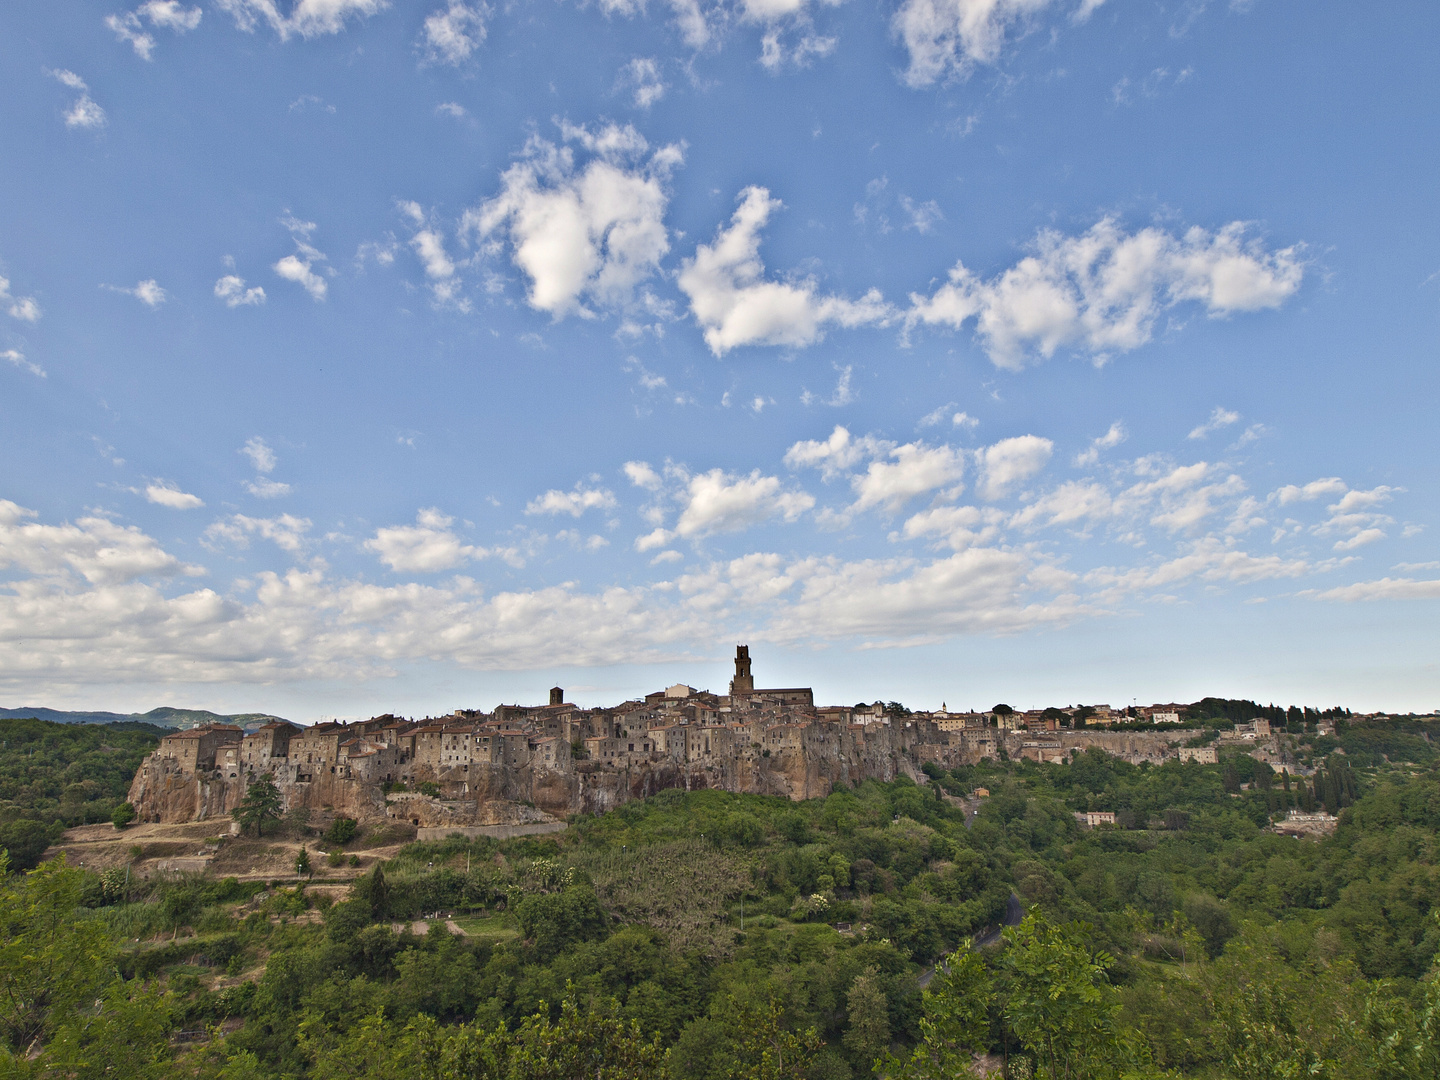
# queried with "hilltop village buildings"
point(533, 764)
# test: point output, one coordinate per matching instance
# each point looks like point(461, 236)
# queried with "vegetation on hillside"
point(708, 936)
point(53, 776)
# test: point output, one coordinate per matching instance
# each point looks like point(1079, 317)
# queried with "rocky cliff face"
point(804, 763)
point(485, 794)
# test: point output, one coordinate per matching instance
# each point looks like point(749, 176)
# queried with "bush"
point(123, 815)
point(341, 831)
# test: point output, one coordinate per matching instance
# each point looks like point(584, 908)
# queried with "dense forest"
point(708, 936)
point(53, 776)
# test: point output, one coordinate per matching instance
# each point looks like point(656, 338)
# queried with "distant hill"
point(161, 717)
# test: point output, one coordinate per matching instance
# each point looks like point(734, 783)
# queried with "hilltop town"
point(526, 768)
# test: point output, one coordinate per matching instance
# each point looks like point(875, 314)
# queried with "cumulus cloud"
point(262, 487)
point(23, 308)
point(720, 502)
point(286, 532)
point(911, 470)
point(1316, 489)
point(1111, 439)
point(901, 601)
point(299, 266)
point(1209, 559)
point(167, 14)
point(148, 292)
point(641, 78)
point(307, 18)
point(1101, 292)
point(16, 357)
point(1219, 418)
point(838, 454)
point(451, 34)
point(428, 243)
point(642, 475)
point(231, 289)
point(261, 456)
point(593, 232)
point(1355, 517)
point(164, 493)
point(574, 502)
point(734, 304)
point(1010, 462)
point(83, 111)
point(98, 550)
point(427, 546)
point(948, 38)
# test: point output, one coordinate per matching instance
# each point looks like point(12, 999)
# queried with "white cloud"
point(16, 357)
point(164, 493)
point(574, 502)
point(1111, 439)
point(843, 395)
point(427, 546)
point(97, 549)
point(923, 216)
point(1010, 462)
point(1384, 589)
point(1219, 417)
point(1316, 489)
point(23, 308)
point(912, 469)
point(885, 601)
point(127, 29)
point(83, 111)
point(286, 532)
point(307, 18)
point(260, 454)
point(232, 290)
point(262, 487)
point(452, 108)
point(298, 267)
point(451, 34)
point(1073, 501)
point(1101, 292)
point(733, 303)
point(948, 38)
point(721, 502)
point(838, 454)
point(641, 76)
point(642, 475)
point(148, 292)
point(169, 14)
point(591, 233)
point(1209, 559)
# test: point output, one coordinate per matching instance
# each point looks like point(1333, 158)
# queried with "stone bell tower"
point(743, 683)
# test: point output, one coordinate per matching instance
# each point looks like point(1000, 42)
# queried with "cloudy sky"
point(366, 355)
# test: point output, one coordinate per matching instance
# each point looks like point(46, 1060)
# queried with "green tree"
point(867, 1034)
point(302, 863)
point(51, 963)
point(955, 1024)
point(123, 815)
point(765, 1049)
point(262, 803)
point(1059, 1004)
point(341, 831)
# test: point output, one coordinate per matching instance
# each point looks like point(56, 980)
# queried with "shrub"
point(341, 831)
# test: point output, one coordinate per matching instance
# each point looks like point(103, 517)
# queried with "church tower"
point(744, 682)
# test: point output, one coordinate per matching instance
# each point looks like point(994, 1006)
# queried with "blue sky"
point(366, 356)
